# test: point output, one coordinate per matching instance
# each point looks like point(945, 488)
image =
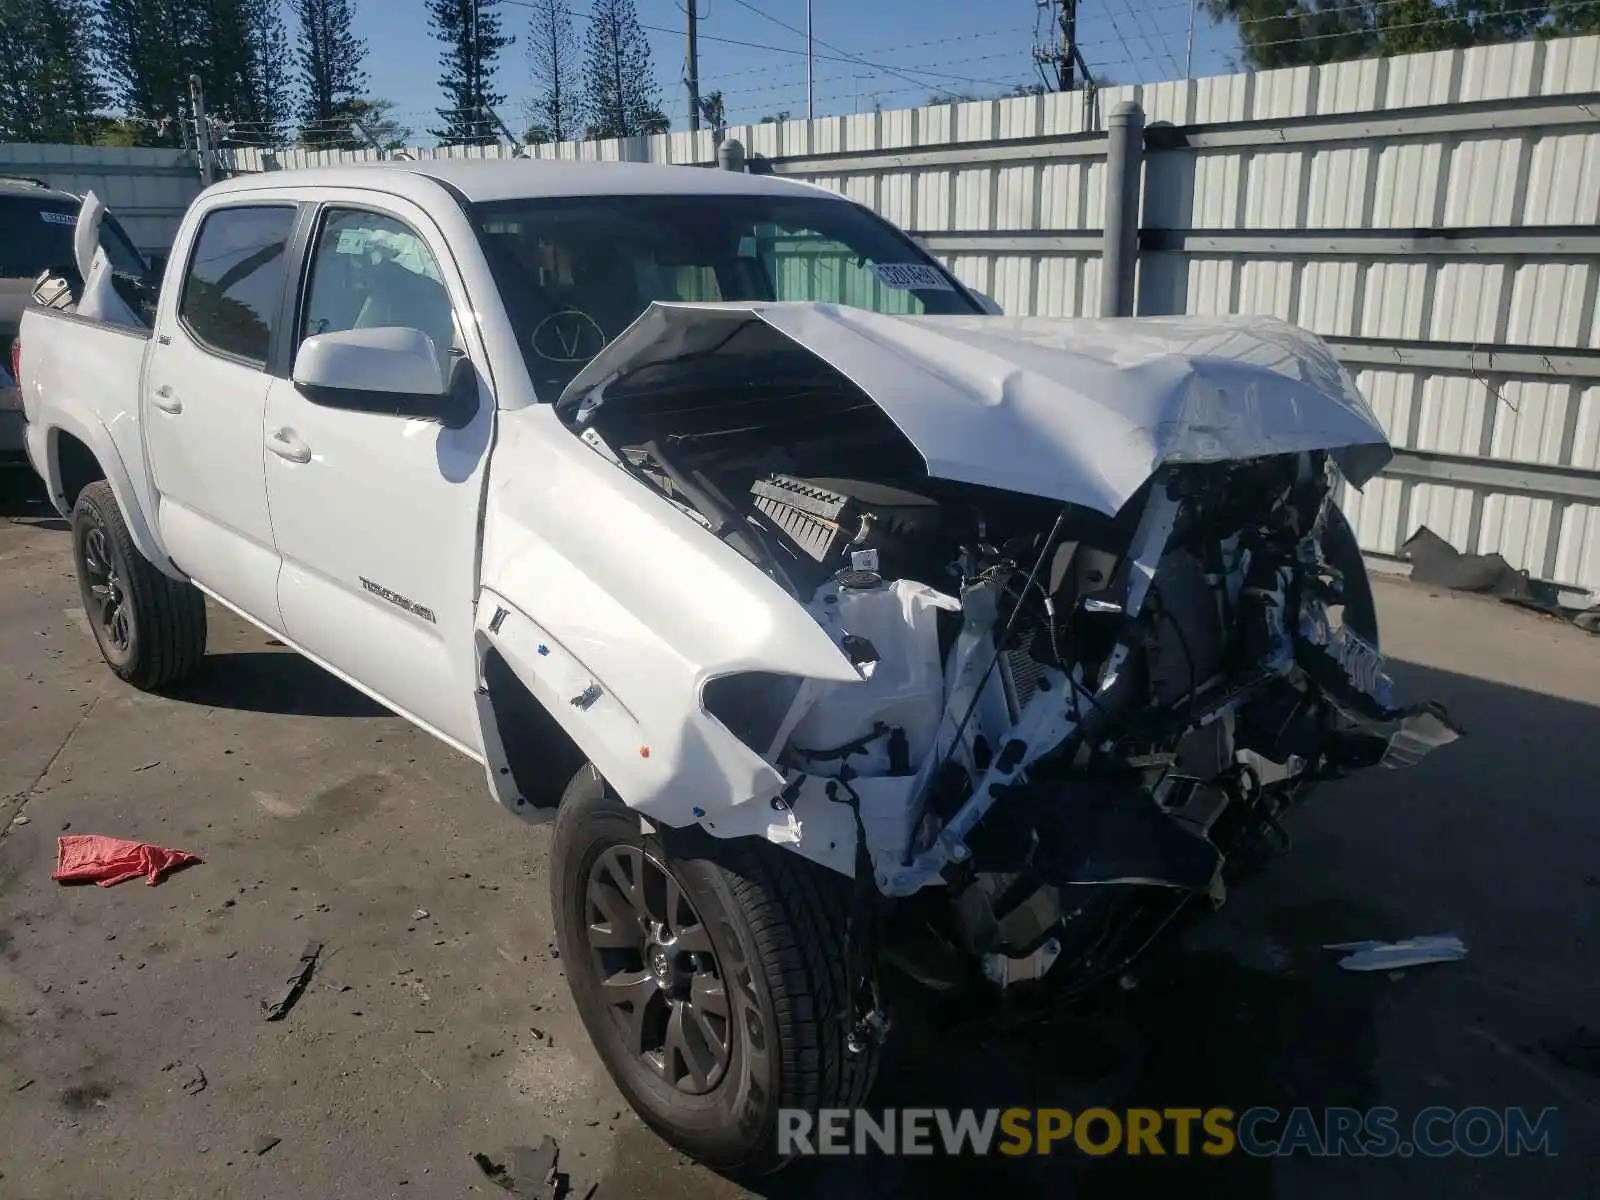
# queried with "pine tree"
point(331, 76)
point(1568, 17)
point(48, 91)
point(149, 48)
point(244, 56)
point(470, 31)
point(271, 67)
point(552, 53)
point(239, 48)
point(622, 98)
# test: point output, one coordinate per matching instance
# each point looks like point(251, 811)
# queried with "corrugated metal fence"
point(1434, 216)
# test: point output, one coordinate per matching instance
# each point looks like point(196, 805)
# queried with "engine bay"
point(1069, 726)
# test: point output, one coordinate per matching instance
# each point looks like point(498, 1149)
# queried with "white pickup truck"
point(872, 630)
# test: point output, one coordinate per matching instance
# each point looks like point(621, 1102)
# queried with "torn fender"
point(700, 774)
point(614, 609)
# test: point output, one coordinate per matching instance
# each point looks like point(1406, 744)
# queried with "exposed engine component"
point(831, 519)
point(1076, 726)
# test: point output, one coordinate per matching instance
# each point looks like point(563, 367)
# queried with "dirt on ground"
point(135, 1059)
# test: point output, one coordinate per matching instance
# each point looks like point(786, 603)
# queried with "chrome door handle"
point(285, 443)
point(164, 399)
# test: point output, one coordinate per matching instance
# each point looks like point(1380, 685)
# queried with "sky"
point(892, 52)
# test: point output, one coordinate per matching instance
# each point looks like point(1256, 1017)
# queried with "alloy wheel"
point(659, 974)
point(106, 591)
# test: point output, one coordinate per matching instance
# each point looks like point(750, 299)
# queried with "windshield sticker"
point(569, 336)
point(912, 277)
point(58, 218)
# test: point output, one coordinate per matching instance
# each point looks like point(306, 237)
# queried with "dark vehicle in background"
point(37, 224)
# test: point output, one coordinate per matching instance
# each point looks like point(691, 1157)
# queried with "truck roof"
point(524, 178)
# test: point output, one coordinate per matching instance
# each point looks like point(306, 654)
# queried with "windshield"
point(576, 271)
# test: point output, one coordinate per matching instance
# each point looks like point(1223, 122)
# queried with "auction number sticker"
point(912, 277)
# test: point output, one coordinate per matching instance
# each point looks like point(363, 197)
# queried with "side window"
point(370, 271)
point(234, 283)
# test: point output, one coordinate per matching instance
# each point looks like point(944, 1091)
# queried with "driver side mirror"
point(391, 371)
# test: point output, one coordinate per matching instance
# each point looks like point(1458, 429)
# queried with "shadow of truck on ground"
point(1496, 837)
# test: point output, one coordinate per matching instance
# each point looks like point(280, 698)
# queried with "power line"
point(922, 75)
point(1370, 5)
point(829, 46)
point(794, 86)
point(1117, 29)
point(1300, 39)
point(1060, 49)
point(727, 41)
point(944, 41)
point(1135, 12)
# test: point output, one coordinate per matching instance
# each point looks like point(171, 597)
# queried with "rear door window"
point(233, 287)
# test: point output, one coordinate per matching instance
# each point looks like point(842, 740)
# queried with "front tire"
point(151, 628)
point(710, 975)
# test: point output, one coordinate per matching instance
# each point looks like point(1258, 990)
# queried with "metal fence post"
point(202, 132)
point(1124, 170)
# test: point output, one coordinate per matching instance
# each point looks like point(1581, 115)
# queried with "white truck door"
point(376, 515)
point(206, 391)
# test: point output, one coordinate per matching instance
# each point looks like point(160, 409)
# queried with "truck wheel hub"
point(105, 587)
point(658, 971)
point(661, 967)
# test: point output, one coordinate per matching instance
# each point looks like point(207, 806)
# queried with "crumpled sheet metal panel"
point(1080, 411)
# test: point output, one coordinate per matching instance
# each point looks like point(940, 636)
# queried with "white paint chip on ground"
point(1391, 956)
point(276, 805)
point(79, 618)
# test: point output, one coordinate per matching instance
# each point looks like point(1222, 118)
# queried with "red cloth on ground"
point(95, 858)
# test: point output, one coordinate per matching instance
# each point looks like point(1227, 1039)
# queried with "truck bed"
point(81, 379)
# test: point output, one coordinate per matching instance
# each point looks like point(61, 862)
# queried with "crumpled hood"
point(1082, 411)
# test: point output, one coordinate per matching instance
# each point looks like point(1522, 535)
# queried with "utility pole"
point(1069, 42)
point(811, 108)
point(202, 131)
point(1059, 55)
point(693, 80)
point(1188, 61)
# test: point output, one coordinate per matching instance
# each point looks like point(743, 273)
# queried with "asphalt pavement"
point(135, 1060)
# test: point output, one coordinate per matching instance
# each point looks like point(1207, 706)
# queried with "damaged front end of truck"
point(1098, 620)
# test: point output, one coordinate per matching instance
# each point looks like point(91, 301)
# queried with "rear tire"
point(151, 628)
point(776, 924)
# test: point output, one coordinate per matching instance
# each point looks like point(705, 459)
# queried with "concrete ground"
point(438, 1024)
